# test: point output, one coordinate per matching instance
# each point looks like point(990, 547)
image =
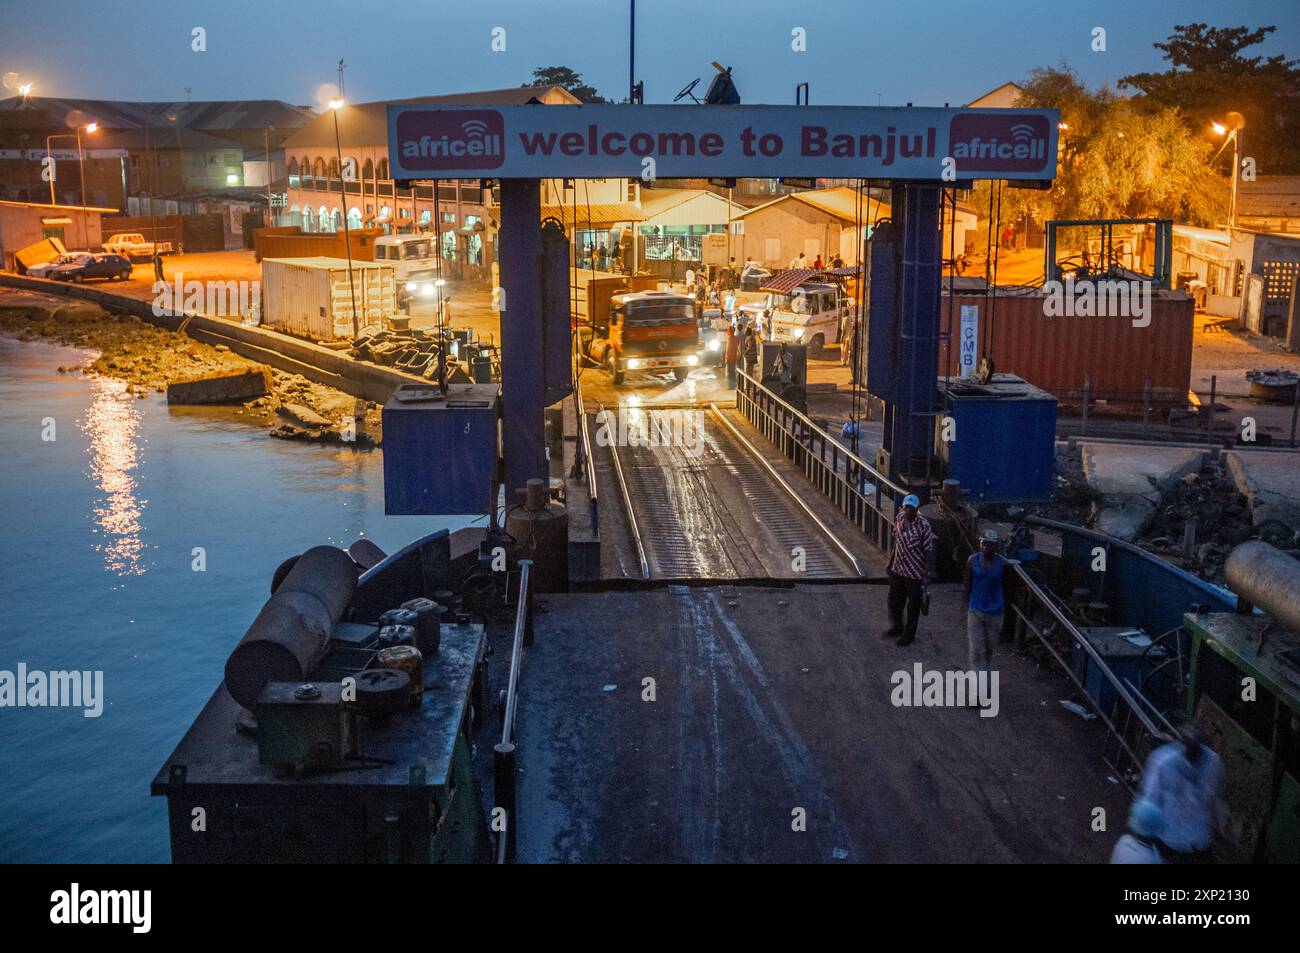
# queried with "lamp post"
point(336, 105)
point(1232, 126)
point(90, 128)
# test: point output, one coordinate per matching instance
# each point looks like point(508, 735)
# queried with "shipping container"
point(293, 242)
point(1117, 355)
point(312, 297)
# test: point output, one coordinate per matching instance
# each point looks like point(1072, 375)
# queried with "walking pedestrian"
point(749, 350)
point(818, 264)
point(985, 598)
point(731, 354)
point(1184, 778)
point(158, 266)
point(690, 279)
point(1140, 843)
point(911, 564)
point(799, 261)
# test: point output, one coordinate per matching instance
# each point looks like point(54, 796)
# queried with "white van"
point(811, 314)
point(406, 254)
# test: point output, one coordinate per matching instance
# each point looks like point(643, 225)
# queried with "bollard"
point(1209, 421)
point(503, 763)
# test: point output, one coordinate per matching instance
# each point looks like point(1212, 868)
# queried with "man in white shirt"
point(799, 262)
point(1184, 778)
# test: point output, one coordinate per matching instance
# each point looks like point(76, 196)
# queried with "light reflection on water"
point(105, 520)
point(112, 430)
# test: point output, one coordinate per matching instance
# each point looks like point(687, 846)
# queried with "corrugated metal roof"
point(1270, 196)
point(165, 137)
point(366, 124)
point(321, 261)
point(599, 216)
point(208, 115)
point(675, 207)
point(792, 278)
point(841, 201)
point(49, 207)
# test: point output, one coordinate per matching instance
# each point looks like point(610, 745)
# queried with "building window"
point(381, 170)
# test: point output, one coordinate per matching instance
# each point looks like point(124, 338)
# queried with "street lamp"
point(335, 106)
point(90, 127)
point(1232, 125)
point(25, 92)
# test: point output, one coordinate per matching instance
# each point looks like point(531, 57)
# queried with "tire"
point(123, 276)
point(681, 373)
point(817, 348)
point(78, 278)
point(615, 375)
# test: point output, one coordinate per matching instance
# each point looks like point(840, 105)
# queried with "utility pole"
point(270, 210)
point(335, 106)
point(631, 55)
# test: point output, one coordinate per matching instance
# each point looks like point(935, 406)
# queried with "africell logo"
point(455, 139)
point(997, 142)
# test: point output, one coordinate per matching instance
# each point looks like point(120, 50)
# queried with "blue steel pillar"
point(522, 381)
point(909, 428)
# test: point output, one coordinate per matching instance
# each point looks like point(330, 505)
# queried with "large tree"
point(1116, 161)
point(1209, 77)
point(569, 79)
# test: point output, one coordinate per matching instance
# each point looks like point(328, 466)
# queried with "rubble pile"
point(415, 351)
point(1223, 520)
point(149, 358)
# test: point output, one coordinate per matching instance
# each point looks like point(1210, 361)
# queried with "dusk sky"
point(921, 52)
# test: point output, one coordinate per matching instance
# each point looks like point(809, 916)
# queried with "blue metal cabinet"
point(440, 455)
point(1005, 438)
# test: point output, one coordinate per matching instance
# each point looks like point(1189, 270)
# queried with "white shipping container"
point(312, 298)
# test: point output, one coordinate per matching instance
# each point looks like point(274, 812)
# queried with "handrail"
point(627, 505)
point(856, 487)
point(504, 753)
point(588, 464)
point(803, 418)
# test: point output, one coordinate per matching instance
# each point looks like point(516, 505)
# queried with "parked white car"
point(72, 258)
point(132, 245)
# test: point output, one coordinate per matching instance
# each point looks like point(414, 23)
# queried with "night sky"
point(859, 51)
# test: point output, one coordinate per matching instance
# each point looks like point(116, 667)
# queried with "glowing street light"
point(1232, 125)
point(90, 127)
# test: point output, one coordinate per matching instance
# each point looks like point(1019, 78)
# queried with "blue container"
point(1121, 656)
point(1005, 446)
point(440, 455)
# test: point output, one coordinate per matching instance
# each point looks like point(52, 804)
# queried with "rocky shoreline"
point(149, 358)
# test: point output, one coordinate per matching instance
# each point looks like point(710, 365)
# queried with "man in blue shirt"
point(1183, 778)
point(985, 600)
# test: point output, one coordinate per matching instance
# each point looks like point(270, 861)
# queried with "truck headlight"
point(715, 345)
point(410, 286)
point(693, 359)
point(798, 334)
point(633, 364)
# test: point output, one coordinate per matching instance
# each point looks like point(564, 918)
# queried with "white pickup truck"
point(811, 314)
point(131, 245)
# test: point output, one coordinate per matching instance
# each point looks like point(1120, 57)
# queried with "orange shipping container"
point(1056, 352)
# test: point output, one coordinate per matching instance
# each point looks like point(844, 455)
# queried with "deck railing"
point(860, 491)
point(504, 760)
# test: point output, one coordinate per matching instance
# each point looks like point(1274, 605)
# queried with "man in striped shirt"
point(911, 565)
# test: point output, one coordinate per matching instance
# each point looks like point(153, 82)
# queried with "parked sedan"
point(95, 266)
point(44, 268)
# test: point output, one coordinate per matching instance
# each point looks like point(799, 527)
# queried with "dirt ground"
point(148, 358)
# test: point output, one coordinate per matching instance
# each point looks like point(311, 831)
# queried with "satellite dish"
point(688, 90)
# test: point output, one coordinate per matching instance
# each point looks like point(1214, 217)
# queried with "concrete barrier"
point(289, 354)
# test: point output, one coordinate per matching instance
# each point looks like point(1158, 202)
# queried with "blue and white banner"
point(599, 141)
